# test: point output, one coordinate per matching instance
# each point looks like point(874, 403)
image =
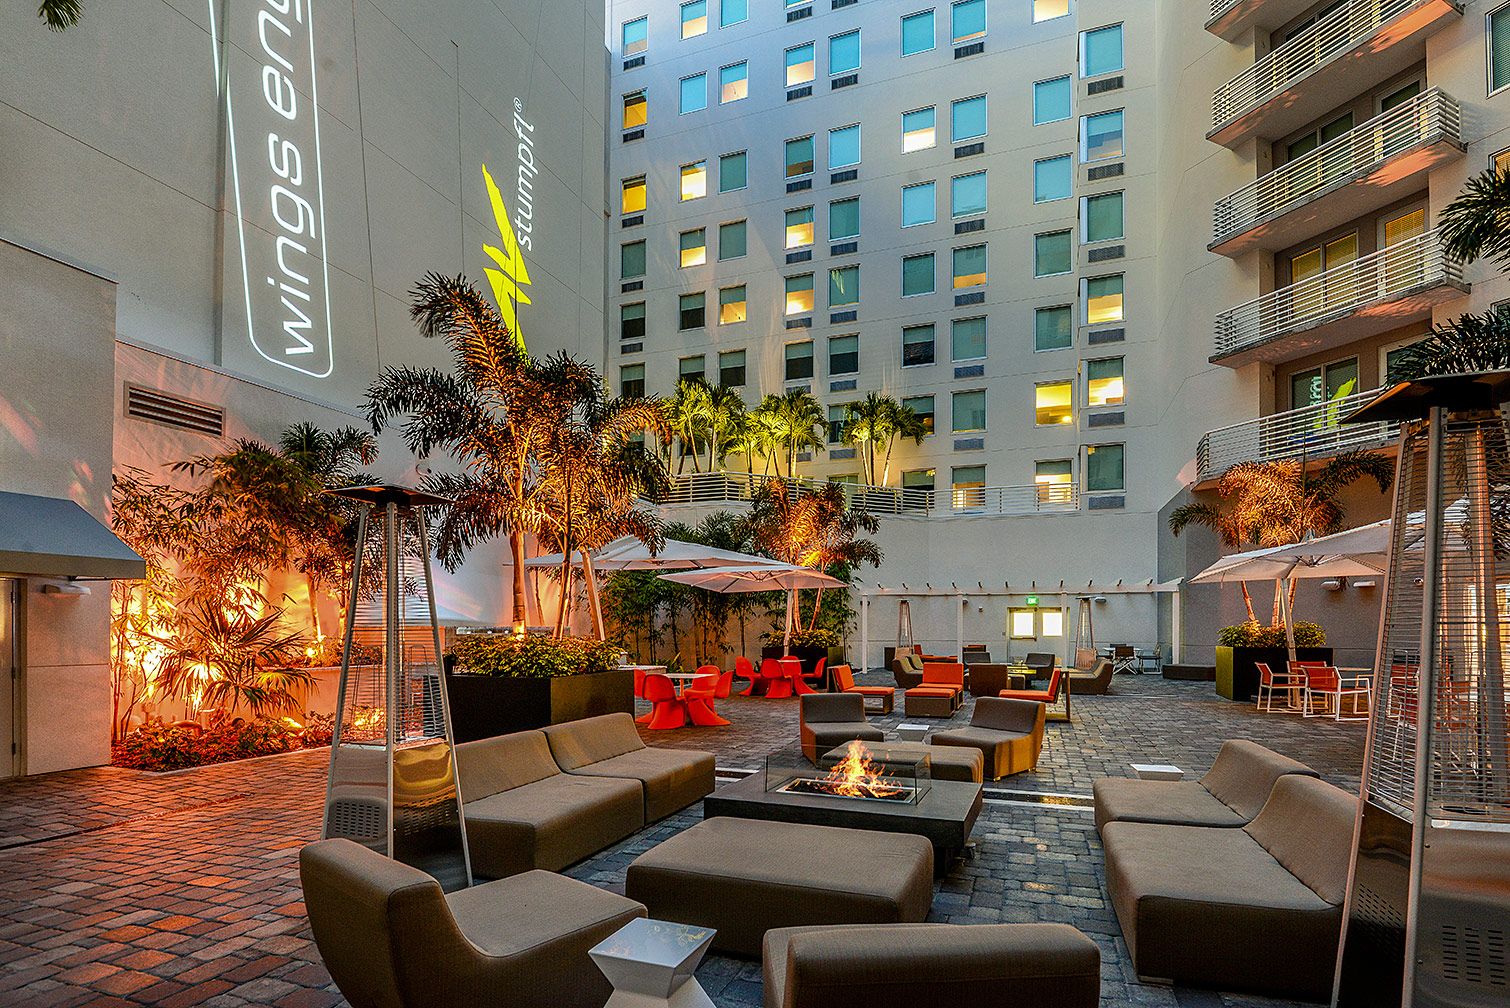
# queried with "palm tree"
point(904, 424)
point(215, 658)
point(60, 14)
point(1463, 346)
point(795, 422)
point(726, 418)
point(811, 528)
point(868, 423)
point(1477, 222)
point(1279, 503)
point(691, 416)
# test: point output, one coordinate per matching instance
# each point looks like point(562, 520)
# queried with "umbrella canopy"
point(752, 579)
point(630, 554)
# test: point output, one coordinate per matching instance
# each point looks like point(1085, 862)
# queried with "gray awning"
point(50, 537)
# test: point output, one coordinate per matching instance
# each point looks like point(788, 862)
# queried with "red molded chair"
point(745, 669)
point(639, 691)
point(779, 683)
point(700, 695)
point(1284, 682)
point(669, 711)
point(799, 687)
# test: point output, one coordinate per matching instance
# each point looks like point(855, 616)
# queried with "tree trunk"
point(1279, 587)
point(516, 548)
point(590, 579)
point(314, 609)
point(817, 604)
point(566, 577)
point(886, 474)
point(1248, 601)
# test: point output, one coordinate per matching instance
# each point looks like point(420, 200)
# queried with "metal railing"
point(1349, 25)
point(1220, 7)
point(1427, 118)
point(1377, 278)
point(1308, 432)
point(711, 489)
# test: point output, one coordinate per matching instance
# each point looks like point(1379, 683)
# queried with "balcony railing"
point(1427, 118)
point(1378, 278)
point(1349, 25)
point(712, 489)
point(1308, 432)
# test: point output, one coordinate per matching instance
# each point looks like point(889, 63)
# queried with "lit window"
point(918, 202)
point(731, 240)
point(1047, 10)
point(692, 307)
point(692, 369)
point(695, 180)
point(843, 354)
point(968, 18)
point(1051, 328)
point(1103, 468)
point(636, 36)
point(694, 93)
point(632, 381)
point(917, 345)
point(799, 294)
point(632, 321)
point(1103, 217)
point(968, 411)
point(632, 260)
point(1052, 178)
point(917, 33)
point(967, 340)
point(967, 118)
point(922, 406)
point(1499, 49)
point(917, 129)
point(799, 64)
point(799, 360)
point(1054, 481)
point(1053, 622)
point(969, 266)
point(1103, 382)
point(1051, 100)
point(731, 172)
point(1022, 623)
point(799, 227)
point(843, 147)
point(844, 219)
point(694, 18)
point(967, 194)
point(1052, 402)
point(632, 195)
point(731, 368)
point(1101, 51)
point(1052, 254)
point(694, 247)
point(844, 53)
point(967, 486)
point(733, 83)
point(732, 12)
point(1101, 136)
point(636, 110)
point(799, 157)
point(1103, 300)
point(917, 274)
point(843, 286)
point(731, 305)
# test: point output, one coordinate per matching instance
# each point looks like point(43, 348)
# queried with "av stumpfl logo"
point(511, 276)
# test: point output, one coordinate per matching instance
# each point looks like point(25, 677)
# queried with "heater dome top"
point(378, 493)
point(1412, 400)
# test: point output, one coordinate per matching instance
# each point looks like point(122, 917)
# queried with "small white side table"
point(651, 964)
point(1158, 771)
point(912, 732)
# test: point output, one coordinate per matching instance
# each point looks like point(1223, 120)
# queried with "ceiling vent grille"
point(171, 411)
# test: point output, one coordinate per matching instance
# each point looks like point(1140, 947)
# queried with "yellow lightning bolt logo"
point(509, 280)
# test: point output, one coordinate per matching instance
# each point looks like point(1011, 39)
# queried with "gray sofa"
point(610, 746)
point(1095, 682)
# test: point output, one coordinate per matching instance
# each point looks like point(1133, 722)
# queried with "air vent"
point(799, 323)
point(1103, 86)
point(844, 248)
point(1106, 503)
point(970, 50)
point(969, 444)
point(634, 134)
point(843, 82)
point(801, 92)
point(1107, 419)
point(171, 411)
point(840, 317)
point(799, 185)
point(796, 257)
point(977, 297)
point(356, 820)
point(632, 285)
point(1103, 171)
point(630, 64)
point(966, 226)
point(848, 175)
point(970, 371)
point(1474, 955)
point(631, 347)
point(1105, 253)
point(1107, 336)
point(836, 4)
point(966, 150)
point(847, 385)
point(634, 221)
point(804, 456)
point(839, 454)
point(798, 14)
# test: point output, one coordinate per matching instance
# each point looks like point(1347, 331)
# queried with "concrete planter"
point(485, 706)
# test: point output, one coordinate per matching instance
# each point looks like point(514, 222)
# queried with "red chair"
point(942, 681)
point(744, 668)
point(799, 687)
point(1047, 697)
point(639, 692)
point(1326, 684)
point(1285, 682)
point(669, 711)
point(778, 677)
point(700, 695)
point(844, 679)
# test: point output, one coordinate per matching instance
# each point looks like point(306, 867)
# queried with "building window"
point(922, 406)
point(692, 311)
point(917, 274)
point(632, 321)
point(843, 147)
point(733, 83)
point(636, 110)
point(731, 240)
point(1101, 51)
point(799, 64)
point(632, 381)
point(917, 345)
point(1103, 468)
point(731, 368)
point(917, 33)
point(967, 339)
point(694, 93)
point(1022, 624)
point(1052, 254)
point(1317, 385)
point(789, 4)
point(918, 203)
point(1499, 49)
point(917, 480)
point(731, 12)
point(844, 53)
point(1103, 382)
point(631, 260)
point(731, 305)
point(967, 486)
point(967, 118)
point(1052, 403)
point(636, 36)
point(967, 195)
point(1101, 136)
point(836, 426)
point(799, 294)
point(1047, 10)
point(844, 287)
point(1052, 179)
point(731, 172)
point(969, 266)
point(843, 354)
point(692, 369)
point(632, 195)
point(1053, 622)
point(694, 180)
point(967, 20)
point(1054, 480)
point(694, 18)
point(799, 157)
point(1051, 328)
point(799, 360)
point(844, 219)
point(1103, 217)
point(917, 129)
point(968, 411)
point(1103, 300)
point(799, 227)
point(1051, 100)
point(694, 245)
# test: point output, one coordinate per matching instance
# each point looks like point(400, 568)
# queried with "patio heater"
point(392, 784)
point(1085, 634)
point(1427, 913)
point(904, 625)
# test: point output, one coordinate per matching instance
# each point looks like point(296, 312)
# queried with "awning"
point(50, 537)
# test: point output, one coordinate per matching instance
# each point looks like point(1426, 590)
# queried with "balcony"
point(1398, 284)
point(1230, 18)
point(715, 489)
point(1368, 167)
point(1305, 433)
point(1358, 45)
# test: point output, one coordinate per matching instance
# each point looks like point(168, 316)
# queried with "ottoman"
point(944, 762)
point(928, 701)
point(746, 876)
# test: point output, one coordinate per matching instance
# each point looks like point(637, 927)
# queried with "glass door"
point(1404, 264)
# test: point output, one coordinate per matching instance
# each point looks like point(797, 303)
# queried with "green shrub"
point(165, 747)
point(539, 657)
point(815, 638)
point(1251, 633)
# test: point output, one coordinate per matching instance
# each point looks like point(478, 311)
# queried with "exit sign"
point(1032, 600)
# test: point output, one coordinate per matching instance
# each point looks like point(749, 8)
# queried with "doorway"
point(10, 670)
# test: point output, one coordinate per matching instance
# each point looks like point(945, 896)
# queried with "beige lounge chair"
point(826, 720)
point(1009, 734)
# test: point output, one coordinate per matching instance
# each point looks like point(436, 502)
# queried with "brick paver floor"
point(121, 887)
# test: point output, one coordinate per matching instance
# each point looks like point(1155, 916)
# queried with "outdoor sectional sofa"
point(547, 799)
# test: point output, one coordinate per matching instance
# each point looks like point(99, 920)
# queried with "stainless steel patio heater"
point(392, 783)
point(1427, 914)
point(1085, 633)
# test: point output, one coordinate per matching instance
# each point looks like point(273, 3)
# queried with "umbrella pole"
point(786, 638)
point(1284, 606)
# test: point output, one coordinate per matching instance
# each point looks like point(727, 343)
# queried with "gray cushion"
point(575, 744)
point(1244, 773)
point(488, 766)
point(1307, 826)
point(550, 823)
point(1186, 803)
point(671, 779)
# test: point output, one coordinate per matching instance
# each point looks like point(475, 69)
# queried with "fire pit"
point(855, 774)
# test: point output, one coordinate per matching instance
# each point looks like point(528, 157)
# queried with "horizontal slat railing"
point(1308, 432)
point(1427, 118)
point(1220, 7)
point(1345, 27)
point(709, 489)
point(1376, 278)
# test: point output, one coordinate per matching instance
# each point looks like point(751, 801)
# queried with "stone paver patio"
point(120, 887)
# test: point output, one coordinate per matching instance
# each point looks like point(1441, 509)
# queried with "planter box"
point(485, 706)
point(1237, 671)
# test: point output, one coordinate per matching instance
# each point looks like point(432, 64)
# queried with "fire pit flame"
point(855, 776)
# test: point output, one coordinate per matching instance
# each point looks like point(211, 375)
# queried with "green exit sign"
point(1032, 600)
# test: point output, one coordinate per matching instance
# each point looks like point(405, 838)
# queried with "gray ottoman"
point(944, 762)
point(746, 876)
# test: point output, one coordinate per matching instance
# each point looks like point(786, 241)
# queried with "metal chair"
point(1269, 683)
point(1325, 683)
point(1124, 658)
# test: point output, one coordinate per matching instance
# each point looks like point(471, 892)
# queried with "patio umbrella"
point(752, 579)
point(630, 554)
